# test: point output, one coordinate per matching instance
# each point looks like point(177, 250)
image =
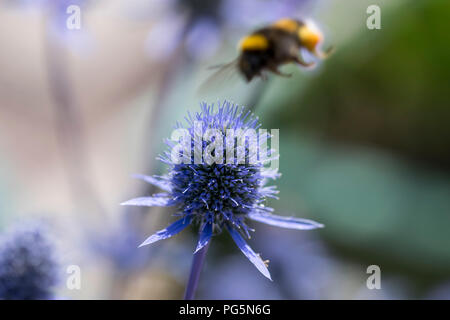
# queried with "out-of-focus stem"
point(168, 76)
point(257, 94)
point(196, 269)
point(68, 124)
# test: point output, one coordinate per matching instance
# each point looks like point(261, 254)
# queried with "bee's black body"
point(282, 48)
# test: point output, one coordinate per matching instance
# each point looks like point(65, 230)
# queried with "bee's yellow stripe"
point(286, 24)
point(254, 42)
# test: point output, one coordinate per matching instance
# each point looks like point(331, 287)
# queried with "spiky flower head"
point(28, 268)
point(220, 194)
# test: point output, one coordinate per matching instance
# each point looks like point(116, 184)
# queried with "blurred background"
point(364, 143)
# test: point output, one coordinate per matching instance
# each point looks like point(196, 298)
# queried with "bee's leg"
point(263, 76)
point(275, 70)
point(325, 54)
point(298, 60)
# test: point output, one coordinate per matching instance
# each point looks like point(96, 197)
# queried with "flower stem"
point(69, 128)
point(197, 264)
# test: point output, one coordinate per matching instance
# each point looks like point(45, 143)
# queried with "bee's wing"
point(223, 65)
point(226, 73)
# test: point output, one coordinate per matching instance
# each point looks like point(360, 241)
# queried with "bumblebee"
point(272, 46)
point(277, 44)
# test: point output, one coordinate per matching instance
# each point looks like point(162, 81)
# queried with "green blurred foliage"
point(376, 208)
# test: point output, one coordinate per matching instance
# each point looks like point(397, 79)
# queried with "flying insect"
point(269, 47)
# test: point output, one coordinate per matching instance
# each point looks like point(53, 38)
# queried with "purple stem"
point(197, 264)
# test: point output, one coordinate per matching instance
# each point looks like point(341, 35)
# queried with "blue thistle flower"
point(217, 196)
point(28, 269)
